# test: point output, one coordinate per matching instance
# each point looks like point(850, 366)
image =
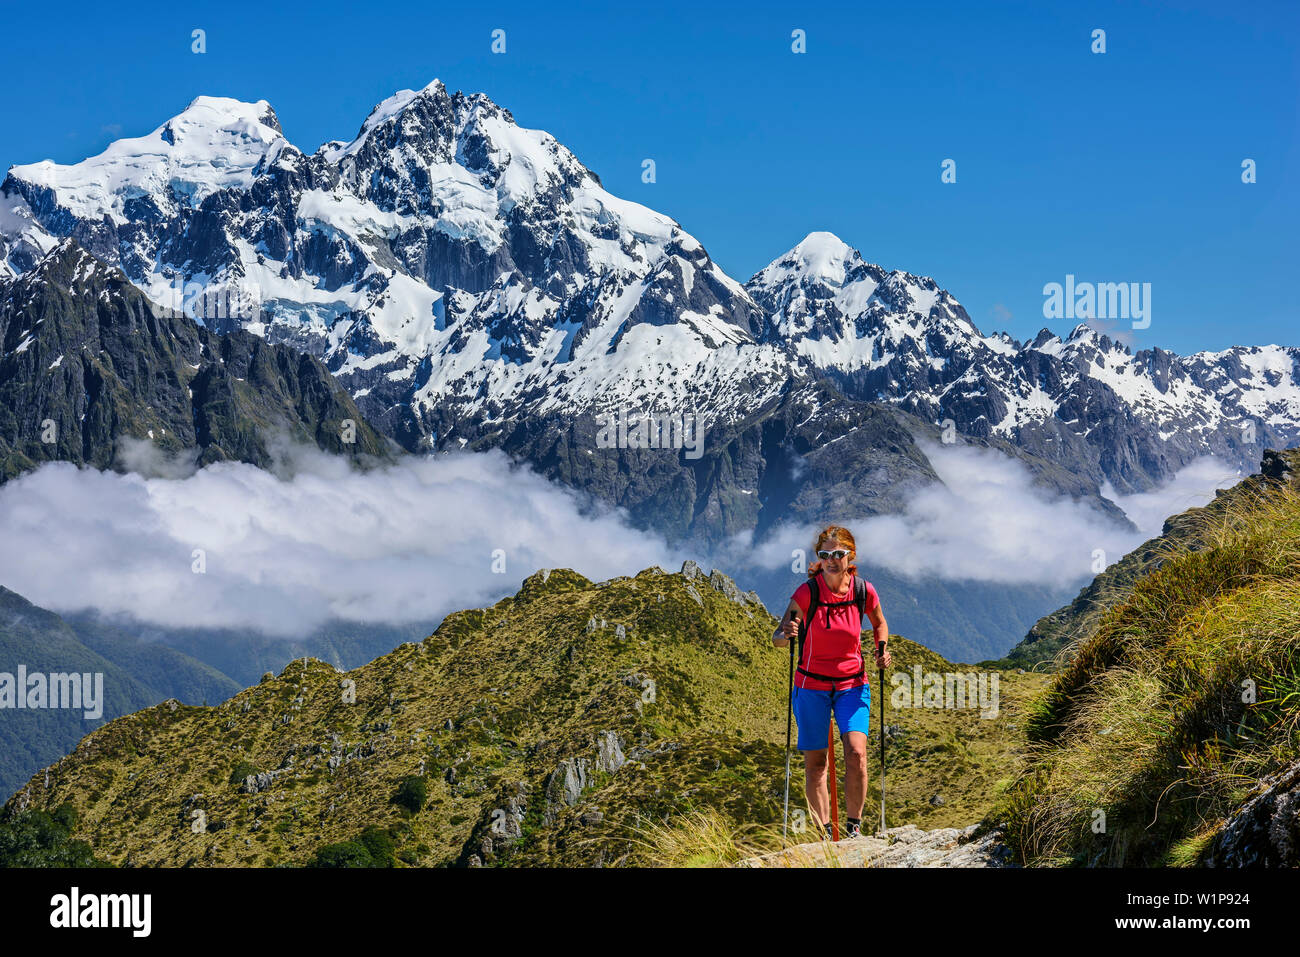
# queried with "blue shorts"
point(812, 712)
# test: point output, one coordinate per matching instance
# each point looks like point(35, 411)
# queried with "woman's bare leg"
point(814, 777)
point(855, 772)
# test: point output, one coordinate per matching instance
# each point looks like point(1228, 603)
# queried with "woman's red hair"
point(834, 533)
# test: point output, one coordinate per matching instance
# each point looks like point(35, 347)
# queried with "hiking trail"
point(906, 846)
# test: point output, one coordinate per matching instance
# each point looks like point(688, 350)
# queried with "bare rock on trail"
point(906, 846)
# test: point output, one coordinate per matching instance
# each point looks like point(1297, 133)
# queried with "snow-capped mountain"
point(1125, 417)
point(451, 268)
point(471, 282)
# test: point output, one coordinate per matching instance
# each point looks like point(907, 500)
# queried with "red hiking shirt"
point(833, 644)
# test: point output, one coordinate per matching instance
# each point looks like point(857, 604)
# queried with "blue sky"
point(1122, 166)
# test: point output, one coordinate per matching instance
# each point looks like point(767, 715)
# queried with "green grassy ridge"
point(484, 711)
point(1145, 729)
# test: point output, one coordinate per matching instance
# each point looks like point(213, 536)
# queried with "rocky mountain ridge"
point(471, 283)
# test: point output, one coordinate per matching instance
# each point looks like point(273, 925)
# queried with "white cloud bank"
point(413, 541)
point(988, 522)
point(1193, 485)
point(410, 542)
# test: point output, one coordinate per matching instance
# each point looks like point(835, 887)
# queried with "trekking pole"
point(789, 715)
point(881, 673)
point(830, 772)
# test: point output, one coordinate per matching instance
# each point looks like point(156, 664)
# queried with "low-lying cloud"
point(988, 522)
point(232, 545)
point(1193, 485)
point(409, 542)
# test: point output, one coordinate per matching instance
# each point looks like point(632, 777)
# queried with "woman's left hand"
point(885, 660)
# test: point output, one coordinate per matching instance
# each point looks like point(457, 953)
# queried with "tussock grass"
point(704, 837)
point(1161, 721)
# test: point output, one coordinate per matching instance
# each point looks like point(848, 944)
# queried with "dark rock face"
point(85, 362)
point(1265, 832)
point(1276, 466)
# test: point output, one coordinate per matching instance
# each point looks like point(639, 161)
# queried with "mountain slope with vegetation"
point(135, 676)
point(1054, 636)
point(144, 664)
point(1170, 735)
point(553, 728)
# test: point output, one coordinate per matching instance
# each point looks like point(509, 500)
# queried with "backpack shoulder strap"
point(814, 596)
point(860, 596)
point(814, 600)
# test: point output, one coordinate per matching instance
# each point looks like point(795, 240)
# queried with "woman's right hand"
point(789, 627)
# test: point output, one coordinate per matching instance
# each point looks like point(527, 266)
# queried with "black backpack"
point(814, 602)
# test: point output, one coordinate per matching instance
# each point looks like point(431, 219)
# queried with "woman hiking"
point(832, 671)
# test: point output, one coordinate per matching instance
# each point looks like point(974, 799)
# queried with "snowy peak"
point(207, 116)
point(820, 256)
point(449, 265)
point(1084, 335)
point(821, 266)
point(816, 289)
point(432, 126)
point(845, 314)
point(824, 274)
point(384, 111)
point(462, 164)
point(1082, 343)
point(214, 144)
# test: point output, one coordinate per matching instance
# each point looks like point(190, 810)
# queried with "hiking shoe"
point(852, 830)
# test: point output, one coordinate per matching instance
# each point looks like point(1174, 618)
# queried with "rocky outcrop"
point(1276, 466)
point(501, 827)
point(719, 582)
point(609, 752)
point(573, 775)
point(565, 786)
point(499, 830)
point(1265, 832)
point(256, 783)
